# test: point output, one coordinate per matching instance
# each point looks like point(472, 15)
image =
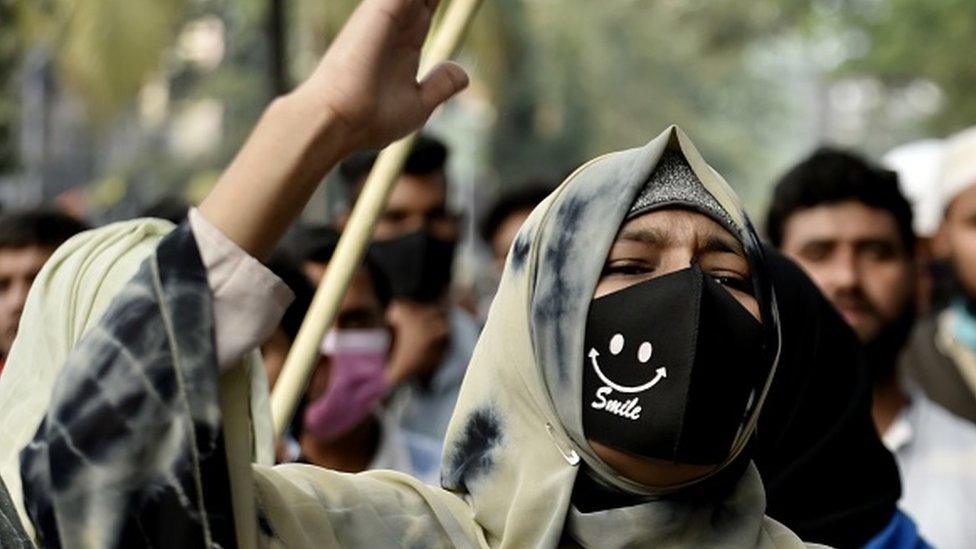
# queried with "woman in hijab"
point(671, 338)
point(611, 400)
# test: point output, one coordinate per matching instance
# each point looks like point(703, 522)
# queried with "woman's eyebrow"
point(643, 235)
point(722, 244)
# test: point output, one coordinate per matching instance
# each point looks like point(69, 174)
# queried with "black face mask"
point(670, 368)
point(417, 264)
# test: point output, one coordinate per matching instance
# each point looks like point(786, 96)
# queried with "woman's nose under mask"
point(670, 368)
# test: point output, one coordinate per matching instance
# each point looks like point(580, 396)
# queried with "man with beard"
point(413, 246)
point(850, 228)
point(941, 354)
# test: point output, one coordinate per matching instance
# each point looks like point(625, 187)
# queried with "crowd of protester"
point(897, 264)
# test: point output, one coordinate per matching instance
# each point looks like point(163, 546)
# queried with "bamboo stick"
point(352, 244)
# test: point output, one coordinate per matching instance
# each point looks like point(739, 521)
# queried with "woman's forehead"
point(679, 227)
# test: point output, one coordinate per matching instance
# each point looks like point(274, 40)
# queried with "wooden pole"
point(352, 244)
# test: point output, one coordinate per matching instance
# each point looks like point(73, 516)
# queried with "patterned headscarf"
point(524, 382)
point(515, 444)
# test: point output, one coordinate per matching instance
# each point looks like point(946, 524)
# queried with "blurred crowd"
point(892, 245)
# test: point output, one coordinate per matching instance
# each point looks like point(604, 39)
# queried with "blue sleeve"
point(901, 533)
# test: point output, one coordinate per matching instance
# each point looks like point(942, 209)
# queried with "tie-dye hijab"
point(515, 445)
point(516, 442)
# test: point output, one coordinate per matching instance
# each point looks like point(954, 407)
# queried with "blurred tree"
point(239, 86)
point(908, 40)
point(277, 28)
point(904, 45)
point(139, 66)
point(542, 124)
point(563, 80)
point(104, 49)
point(592, 77)
point(10, 50)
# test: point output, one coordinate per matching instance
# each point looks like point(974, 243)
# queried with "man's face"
point(417, 202)
point(18, 267)
point(360, 309)
point(854, 253)
point(958, 234)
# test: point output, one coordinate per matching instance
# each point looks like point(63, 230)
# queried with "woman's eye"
point(625, 269)
point(734, 283)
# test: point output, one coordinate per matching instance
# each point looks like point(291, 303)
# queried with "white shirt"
point(936, 455)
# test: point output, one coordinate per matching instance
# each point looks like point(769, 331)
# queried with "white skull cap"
point(958, 166)
point(919, 166)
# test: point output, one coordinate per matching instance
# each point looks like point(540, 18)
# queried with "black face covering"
point(670, 368)
point(826, 473)
point(417, 264)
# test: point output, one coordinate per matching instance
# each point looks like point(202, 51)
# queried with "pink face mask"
point(357, 381)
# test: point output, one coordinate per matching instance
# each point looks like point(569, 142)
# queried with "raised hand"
point(364, 93)
point(368, 78)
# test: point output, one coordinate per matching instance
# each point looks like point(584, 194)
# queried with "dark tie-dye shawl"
point(130, 452)
point(12, 534)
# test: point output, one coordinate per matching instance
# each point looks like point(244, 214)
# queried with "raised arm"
point(363, 94)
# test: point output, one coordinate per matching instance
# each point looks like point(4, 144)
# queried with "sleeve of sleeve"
point(248, 299)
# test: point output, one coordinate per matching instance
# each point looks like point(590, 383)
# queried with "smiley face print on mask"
point(670, 368)
point(631, 376)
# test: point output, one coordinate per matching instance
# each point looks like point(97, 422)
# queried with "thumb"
point(441, 83)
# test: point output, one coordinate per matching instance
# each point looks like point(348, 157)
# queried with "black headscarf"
point(827, 475)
